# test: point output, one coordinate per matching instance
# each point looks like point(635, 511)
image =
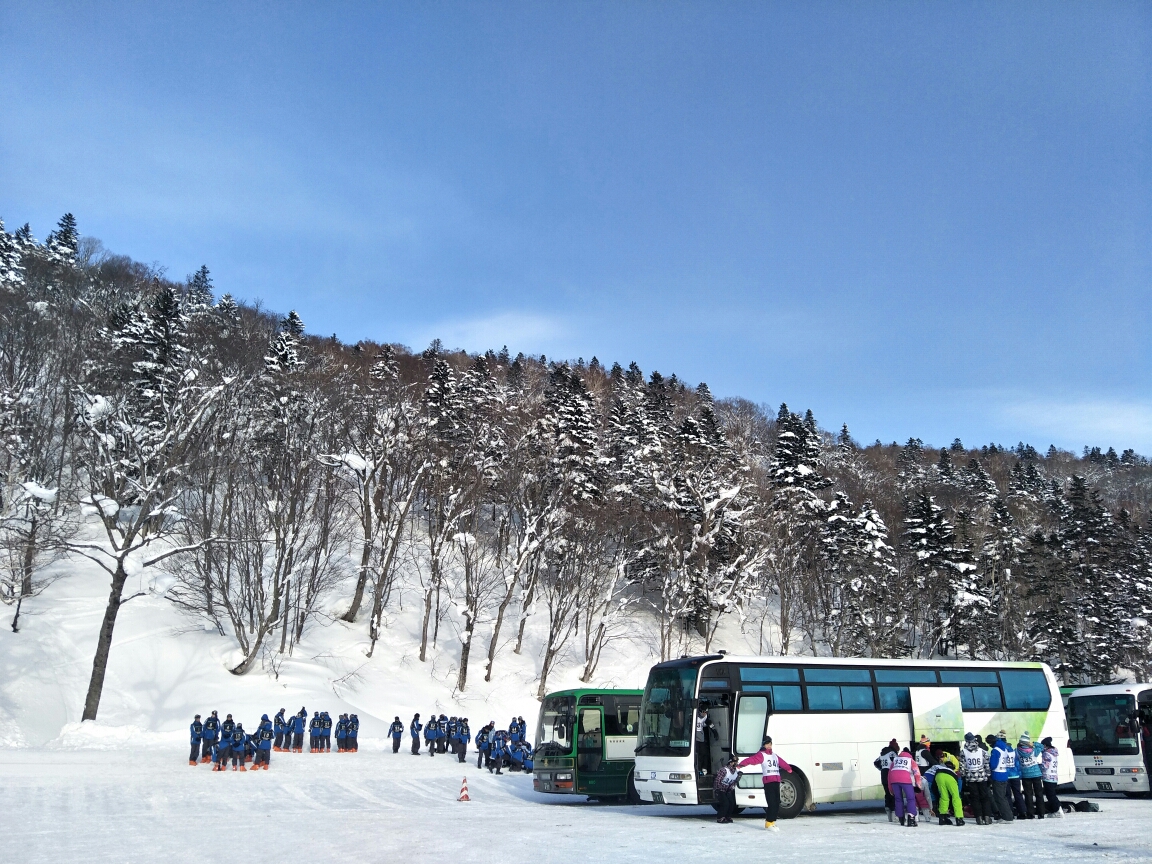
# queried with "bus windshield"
point(666, 712)
point(1103, 725)
point(557, 718)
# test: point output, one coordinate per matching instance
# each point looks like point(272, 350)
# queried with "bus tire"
point(633, 794)
point(793, 794)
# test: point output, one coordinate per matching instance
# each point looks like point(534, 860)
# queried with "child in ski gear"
point(771, 764)
point(497, 750)
point(264, 737)
point(948, 789)
point(884, 763)
point(196, 730)
point(211, 734)
point(325, 732)
point(724, 789)
point(239, 746)
point(974, 764)
point(314, 726)
point(227, 727)
point(431, 734)
point(903, 779)
point(1015, 788)
point(1030, 763)
point(298, 731)
point(414, 729)
point(352, 730)
point(280, 727)
point(396, 731)
point(482, 745)
point(1000, 761)
point(341, 733)
point(1050, 774)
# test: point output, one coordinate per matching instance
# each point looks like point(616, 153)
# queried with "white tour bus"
point(829, 718)
point(1104, 731)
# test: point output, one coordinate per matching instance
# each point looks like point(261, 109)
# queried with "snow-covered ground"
point(147, 805)
point(120, 790)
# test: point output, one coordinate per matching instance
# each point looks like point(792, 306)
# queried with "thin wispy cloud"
point(1098, 422)
point(520, 331)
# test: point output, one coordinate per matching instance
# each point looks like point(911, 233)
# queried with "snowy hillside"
point(165, 668)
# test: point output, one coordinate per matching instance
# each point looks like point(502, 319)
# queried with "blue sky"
point(929, 219)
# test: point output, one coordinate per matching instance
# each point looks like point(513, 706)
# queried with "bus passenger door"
point(589, 740)
point(751, 725)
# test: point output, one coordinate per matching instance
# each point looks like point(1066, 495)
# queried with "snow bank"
point(93, 735)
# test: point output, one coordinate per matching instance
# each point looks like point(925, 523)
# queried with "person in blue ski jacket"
point(1001, 759)
point(341, 733)
point(265, 735)
point(497, 750)
point(280, 728)
point(396, 733)
point(214, 755)
point(227, 727)
point(239, 746)
point(520, 755)
point(196, 731)
point(353, 732)
point(326, 732)
point(314, 727)
point(211, 733)
point(482, 745)
point(1014, 785)
point(431, 734)
point(513, 730)
point(442, 734)
point(1030, 762)
point(463, 736)
point(298, 721)
point(414, 730)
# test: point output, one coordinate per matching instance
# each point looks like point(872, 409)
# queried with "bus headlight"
point(564, 776)
point(1131, 770)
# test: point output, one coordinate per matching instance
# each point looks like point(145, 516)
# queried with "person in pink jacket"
point(903, 780)
point(770, 767)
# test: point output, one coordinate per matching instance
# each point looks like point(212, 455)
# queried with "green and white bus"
point(586, 742)
point(1106, 732)
point(829, 718)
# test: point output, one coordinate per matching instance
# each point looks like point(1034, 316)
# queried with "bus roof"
point(584, 691)
point(799, 660)
point(1110, 690)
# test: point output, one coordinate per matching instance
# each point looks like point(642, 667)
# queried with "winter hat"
point(969, 738)
point(264, 717)
point(1025, 739)
point(893, 743)
point(1047, 742)
point(1002, 735)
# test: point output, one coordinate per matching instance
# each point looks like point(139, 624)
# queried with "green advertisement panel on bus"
point(586, 743)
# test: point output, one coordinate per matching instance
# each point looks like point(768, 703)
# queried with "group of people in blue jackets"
point(498, 748)
point(223, 741)
point(501, 748)
point(441, 734)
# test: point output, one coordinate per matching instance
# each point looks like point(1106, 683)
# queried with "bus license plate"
point(658, 797)
point(1099, 771)
point(1104, 787)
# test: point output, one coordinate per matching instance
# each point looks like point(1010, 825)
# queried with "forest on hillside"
point(148, 422)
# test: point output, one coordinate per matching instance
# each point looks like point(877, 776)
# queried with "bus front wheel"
point(633, 794)
point(791, 794)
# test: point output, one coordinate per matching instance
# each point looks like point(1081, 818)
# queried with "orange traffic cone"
point(464, 790)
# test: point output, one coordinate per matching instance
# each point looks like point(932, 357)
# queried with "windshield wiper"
point(646, 744)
